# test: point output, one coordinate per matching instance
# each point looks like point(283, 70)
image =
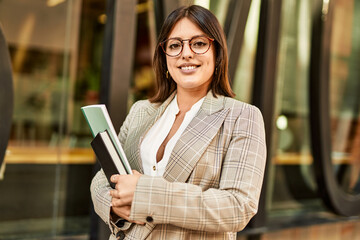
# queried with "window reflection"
point(243, 80)
point(55, 50)
point(292, 184)
point(142, 87)
point(344, 94)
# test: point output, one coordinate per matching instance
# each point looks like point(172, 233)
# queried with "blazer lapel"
point(153, 115)
point(195, 139)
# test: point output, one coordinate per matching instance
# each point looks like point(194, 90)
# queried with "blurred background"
point(297, 60)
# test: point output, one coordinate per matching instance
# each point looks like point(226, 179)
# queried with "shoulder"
point(140, 105)
point(240, 107)
point(143, 106)
point(246, 118)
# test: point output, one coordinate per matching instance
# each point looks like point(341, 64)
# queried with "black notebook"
point(107, 155)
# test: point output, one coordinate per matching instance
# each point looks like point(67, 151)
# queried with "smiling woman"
point(198, 155)
point(191, 71)
point(202, 23)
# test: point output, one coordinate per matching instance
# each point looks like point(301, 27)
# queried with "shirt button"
point(154, 168)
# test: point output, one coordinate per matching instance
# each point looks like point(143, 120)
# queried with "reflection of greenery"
point(143, 85)
point(36, 101)
point(92, 77)
point(89, 81)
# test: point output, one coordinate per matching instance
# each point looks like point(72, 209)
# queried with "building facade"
point(297, 60)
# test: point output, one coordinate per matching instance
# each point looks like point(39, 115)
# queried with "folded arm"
point(223, 209)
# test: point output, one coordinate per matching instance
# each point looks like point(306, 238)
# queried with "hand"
point(123, 194)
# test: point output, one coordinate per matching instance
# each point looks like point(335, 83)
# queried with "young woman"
point(198, 154)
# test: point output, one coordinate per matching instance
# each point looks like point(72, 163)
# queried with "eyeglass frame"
point(182, 45)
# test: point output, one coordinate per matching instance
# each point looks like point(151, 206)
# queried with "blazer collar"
point(210, 105)
point(159, 108)
point(196, 138)
point(154, 112)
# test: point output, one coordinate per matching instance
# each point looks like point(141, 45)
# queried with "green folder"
point(99, 120)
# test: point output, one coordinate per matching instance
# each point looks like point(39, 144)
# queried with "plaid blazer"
point(211, 185)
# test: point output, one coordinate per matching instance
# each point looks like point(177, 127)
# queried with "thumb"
point(136, 172)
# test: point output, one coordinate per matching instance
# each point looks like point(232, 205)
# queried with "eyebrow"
point(179, 38)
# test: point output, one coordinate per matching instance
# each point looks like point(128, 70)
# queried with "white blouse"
point(157, 134)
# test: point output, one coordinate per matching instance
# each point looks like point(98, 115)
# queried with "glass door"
point(55, 50)
point(292, 189)
point(345, 95)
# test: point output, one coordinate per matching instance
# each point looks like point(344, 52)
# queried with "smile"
point(188, 67)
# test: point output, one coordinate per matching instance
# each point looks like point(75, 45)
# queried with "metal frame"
point(333, 196)
point(265, 84)
point(234, 29)
point(162, 9)
point(116, 75)
point(6, 96)
point(119, 46)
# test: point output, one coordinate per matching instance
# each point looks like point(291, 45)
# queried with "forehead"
point(185, 29)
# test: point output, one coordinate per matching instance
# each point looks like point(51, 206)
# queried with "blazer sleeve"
point(100, 187)
point(225, 209)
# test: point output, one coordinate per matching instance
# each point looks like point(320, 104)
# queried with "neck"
point(186, 100)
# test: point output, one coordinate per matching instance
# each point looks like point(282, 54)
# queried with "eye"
point(199, 42)
point(174, 46)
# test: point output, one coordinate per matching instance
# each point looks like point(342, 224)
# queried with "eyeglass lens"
point(198, 45)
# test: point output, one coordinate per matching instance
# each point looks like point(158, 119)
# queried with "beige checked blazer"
point(211, 185)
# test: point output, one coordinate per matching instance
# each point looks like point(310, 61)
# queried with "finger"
point(123, 212)
point(137, 222)
point(126, 199)
point(115, 193)
point(114, 178)
point(116, 202)
point(136, 172)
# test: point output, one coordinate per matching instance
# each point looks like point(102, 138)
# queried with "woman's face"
point(190, 71)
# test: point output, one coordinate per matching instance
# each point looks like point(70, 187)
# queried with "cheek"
point(212, 59)
point(170, 64)
point(211, 65)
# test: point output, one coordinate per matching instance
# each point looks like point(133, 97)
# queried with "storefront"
point(298, 61)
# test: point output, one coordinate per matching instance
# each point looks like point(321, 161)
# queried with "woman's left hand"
point(123, 194)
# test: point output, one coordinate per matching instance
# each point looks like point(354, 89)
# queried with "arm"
point(100, 187)
point(100, 195)
point(227, 208)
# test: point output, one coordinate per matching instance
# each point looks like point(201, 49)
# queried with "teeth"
point(188, 67)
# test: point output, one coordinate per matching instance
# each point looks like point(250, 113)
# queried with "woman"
point(199, 154)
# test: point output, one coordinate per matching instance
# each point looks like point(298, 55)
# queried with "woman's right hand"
point(122, 195)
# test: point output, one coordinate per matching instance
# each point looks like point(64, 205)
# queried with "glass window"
point(344, 94)
point(142, 86)
point(292, 186)
point(243, 80)
point(55, 49)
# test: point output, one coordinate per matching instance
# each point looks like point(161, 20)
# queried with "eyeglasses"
point(173, 47)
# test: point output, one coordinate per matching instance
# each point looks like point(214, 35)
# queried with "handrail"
point(333, 196)
point(6, 96)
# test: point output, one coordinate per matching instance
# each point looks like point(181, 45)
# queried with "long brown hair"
point(209, 24)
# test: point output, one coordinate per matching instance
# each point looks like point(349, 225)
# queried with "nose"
point(187, 53)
